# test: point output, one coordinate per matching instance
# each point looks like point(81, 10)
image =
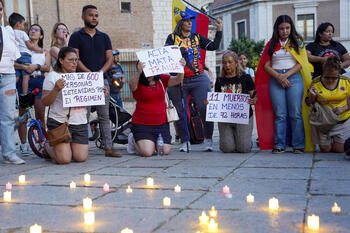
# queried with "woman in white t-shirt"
point(243, 59)
point(77, 147)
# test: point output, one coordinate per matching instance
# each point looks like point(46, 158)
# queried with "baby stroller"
point(120, 125)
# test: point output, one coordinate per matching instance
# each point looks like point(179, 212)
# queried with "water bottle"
point(160, 145)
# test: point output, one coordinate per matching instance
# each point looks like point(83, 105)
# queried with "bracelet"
point(38, 67)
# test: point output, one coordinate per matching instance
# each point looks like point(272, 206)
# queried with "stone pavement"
point(304, 184)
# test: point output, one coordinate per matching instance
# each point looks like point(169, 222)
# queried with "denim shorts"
point(79, 132)
point(25, 58)
point(150, 132)
point(36, 82)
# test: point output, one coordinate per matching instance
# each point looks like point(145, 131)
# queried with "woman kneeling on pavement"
point(77, 148)
point(235, 137)
point(149, 117)
point(334, 88)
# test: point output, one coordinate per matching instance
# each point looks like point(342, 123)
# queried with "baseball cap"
point(182, 15)
point(115, 52)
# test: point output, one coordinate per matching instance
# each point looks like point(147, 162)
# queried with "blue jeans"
point(7, 114)
point(288, 101)
point(198, 87)
point(118, 98)
point(25, 58)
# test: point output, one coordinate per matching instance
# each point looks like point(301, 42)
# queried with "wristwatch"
point(38, 67)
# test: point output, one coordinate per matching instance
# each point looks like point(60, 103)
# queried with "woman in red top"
point(149, 117)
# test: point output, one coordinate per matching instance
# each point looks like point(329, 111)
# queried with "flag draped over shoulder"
point(199, 24)
point(263, 108)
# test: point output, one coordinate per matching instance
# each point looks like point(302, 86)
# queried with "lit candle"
point(22, 179)
point(35, 229)
point(203, 219)
point(150, 182)
point(336, 208)
point(126, 230)
point(213, 226)
point(106, 188)
point(129, 190)
point(313, 222)
point(7, 196)
point(87, 178)
point(250, 198)
point(273, 204)
point(226, 189)
point(89, 218)
point(72, 185)
point(213, 213)
point(8, 186)
point(166, 201)
point(177, 189)
point(87, 203)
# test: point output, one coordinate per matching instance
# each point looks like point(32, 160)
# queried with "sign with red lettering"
point(161, 60)
point(83, 89)
point(228, 108)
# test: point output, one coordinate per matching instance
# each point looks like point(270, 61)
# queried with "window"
point(19, 6)
point(240, 29)
point(125, 7)
point(306, 26)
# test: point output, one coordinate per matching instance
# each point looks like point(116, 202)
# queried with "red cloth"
point(150, 103)
point(263, 108)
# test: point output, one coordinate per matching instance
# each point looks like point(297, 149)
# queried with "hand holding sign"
point(59, 85)
point(161, 60)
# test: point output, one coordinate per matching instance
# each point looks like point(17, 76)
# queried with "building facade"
point(255, 18)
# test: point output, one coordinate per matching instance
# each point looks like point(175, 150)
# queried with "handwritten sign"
point(83, 89)
point(161, 60)
point(228, 107)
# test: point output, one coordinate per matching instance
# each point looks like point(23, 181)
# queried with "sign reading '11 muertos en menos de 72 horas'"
point(83, 89)
point(228, 108)
point(161, 60)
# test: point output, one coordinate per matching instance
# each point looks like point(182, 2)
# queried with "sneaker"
point(298, 151)
point(131, 149)
point(110, 152)
point(24, 148)
point(277, 151)
point(208, 145)
point(183, 148)
point(13, 160)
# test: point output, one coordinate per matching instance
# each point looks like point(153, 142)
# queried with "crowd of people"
point(293, 77)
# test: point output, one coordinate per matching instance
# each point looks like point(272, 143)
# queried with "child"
point(25, 46)
point(243, 59)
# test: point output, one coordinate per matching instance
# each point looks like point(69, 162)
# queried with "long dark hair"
point(178, 28)
point(321, 28)
point(293, 36)
point(41, 40)
point(62, 54)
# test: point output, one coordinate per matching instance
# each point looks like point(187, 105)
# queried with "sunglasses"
point(34, 30)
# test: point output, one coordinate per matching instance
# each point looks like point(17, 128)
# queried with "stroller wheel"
point(99, 143)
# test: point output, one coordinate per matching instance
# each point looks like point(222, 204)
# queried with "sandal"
point(298, 151)
point(277, 151)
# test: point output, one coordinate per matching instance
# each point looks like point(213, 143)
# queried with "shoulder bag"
point(171, 112)
point(59, 134)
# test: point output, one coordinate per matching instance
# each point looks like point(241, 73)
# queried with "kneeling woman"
point(149, 117)
point(77, 148)
point(235, 137)
point(335, 88)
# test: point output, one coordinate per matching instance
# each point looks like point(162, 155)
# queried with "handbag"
point(321, 117)
point(171, 112)
point(59, 134)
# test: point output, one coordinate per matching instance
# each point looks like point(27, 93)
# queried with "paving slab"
point(272, 173)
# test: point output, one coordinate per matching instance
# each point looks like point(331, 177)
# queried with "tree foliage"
point(250, 47)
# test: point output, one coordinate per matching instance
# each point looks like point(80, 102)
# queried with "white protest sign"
point(83, 89)
point(228, 107)
point(161, 60)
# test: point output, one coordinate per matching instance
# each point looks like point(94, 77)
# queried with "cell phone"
point(254, 94)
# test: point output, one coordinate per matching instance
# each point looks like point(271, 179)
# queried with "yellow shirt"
point(338, 96)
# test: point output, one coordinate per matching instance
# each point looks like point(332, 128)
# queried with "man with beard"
point(94, 49)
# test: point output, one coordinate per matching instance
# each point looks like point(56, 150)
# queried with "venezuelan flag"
point(199, 24)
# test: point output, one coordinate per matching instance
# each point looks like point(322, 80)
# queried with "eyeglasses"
point(75, 60)
point(34, 30)
point(62, 30)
